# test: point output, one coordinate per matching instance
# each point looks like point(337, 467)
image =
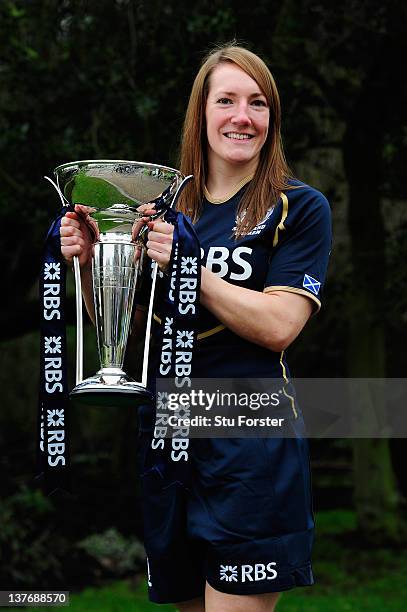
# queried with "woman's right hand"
point(76, 237)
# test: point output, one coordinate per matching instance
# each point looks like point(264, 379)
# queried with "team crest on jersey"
point(239, 219)
point(268, 214)
point(311, 284)
point(260, 226)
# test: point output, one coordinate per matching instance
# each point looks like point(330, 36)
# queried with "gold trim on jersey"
point(294, 290)
point(290, 397)
point(284, 214)
point(205, 334)
point(210, 332)
point(234, 191)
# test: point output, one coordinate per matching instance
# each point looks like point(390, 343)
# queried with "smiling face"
point(237, 118)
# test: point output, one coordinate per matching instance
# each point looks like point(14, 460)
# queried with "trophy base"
point(111, 387)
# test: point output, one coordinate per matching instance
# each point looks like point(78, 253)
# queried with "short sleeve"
point(301, 245)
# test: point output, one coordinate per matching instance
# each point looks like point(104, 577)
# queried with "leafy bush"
point(116, 554)
point(28, 549)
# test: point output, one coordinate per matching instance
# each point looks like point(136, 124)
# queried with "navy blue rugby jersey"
point(287, 251)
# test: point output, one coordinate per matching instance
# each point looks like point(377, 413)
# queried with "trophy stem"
point(79, 321)
point(115, 269)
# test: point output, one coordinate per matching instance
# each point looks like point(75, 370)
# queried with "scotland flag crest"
point(311, 284)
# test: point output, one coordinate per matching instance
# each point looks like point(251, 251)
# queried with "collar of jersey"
point(230, 195)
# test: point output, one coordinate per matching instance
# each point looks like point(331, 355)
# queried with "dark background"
point(111, 79)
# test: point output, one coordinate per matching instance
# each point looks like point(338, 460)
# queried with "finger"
point(71, 215)
point(70, 251)
point(83, 210)
point(159, 247)
point(137, 226)
point(160, 258)
point(72, 240)
point(147, 212)
point(147, 209)
point(69, 230)
point(161, 226)
point(70, 221)
point(142, 208)
point(159, 237)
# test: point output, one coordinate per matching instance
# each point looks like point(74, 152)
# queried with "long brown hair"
point(272, 172)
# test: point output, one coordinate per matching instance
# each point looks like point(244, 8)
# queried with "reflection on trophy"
point(109, 194)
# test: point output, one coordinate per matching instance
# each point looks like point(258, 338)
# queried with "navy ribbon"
point(53, 415)
point(168, 457)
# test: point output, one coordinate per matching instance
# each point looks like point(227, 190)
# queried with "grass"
point(115, 597)
point(349, 579)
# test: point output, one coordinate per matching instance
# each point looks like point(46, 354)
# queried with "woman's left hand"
point(159, 243)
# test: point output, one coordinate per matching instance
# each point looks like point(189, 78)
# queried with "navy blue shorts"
point(245, 525)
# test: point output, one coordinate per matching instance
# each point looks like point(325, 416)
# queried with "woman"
point(243, 531)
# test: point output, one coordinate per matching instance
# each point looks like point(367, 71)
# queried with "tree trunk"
point(375, 489)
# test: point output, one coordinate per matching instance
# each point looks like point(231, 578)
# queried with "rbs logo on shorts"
point(247, 572)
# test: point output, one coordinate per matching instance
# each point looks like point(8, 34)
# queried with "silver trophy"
point(108, 194)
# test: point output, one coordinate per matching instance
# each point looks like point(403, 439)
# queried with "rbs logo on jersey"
point(219, 260)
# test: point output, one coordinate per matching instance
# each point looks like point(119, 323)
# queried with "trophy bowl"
point(108, 194)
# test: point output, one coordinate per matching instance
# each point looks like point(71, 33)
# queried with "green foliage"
point(362, 581)
point(335, 522)
point(81, 80)
point(349, 578)
point(25, 553)
point(38, 535)
point(115, 553)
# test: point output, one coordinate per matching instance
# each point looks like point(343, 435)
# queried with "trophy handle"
point(78, 291)
point(148, 327)
point(79, 321)
point(161, 213)
point(180, 189)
